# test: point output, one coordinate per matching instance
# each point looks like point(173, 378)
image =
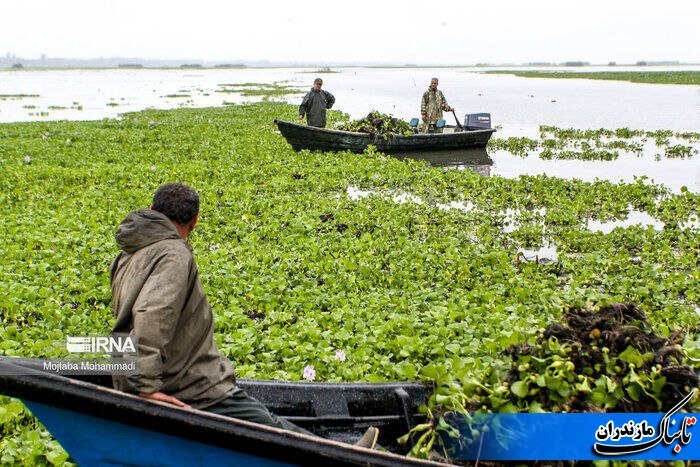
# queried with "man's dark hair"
point(177, 201)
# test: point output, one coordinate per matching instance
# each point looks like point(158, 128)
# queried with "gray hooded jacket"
point(157, 297)
point(314, 105)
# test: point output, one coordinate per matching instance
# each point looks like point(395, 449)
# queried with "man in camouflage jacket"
point(432, 105)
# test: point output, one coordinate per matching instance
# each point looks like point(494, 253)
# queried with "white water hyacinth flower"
point(340, 355)
point(28, 159)
point(309, 373)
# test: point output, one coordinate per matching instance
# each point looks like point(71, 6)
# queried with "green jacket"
point(158, 298)
point(314, 106)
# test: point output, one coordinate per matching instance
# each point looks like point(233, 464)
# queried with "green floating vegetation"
point(519, 146)
point(242, 85)
point(629, 146)
point(690, 136)
point(296, 269)
point(259, 89)
point(652, 77)
point(597, 144)
point(324, 69)
point(680, 152)
point(17, 96)
point(587, 154)
point(24, 441)
point(660, 136)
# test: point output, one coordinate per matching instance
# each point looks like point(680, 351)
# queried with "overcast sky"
point(419, 32)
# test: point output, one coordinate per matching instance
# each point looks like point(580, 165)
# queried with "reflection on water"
point(476, 159)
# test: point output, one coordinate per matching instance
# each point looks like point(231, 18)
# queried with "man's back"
point(158, 298)
point(156, 290)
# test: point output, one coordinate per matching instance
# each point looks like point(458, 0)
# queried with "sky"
point(355, 31)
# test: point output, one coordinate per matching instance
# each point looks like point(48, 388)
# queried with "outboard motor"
point(480, 121)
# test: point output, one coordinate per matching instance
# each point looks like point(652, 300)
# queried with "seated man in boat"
point(158, 298)
point(314, 105)
point(431, 106)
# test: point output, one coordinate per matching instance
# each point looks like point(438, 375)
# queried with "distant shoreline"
point(496, 68)
point(11, 62)
point(691, 78)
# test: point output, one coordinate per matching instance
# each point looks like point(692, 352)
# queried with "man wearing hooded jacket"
point(158, 298)
point(314, 105)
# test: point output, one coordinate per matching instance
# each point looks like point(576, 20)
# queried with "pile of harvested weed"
point(604, 360)
point(595, 360)
point(378, 124)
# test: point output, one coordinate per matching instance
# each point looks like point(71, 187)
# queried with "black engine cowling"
point(480, 121)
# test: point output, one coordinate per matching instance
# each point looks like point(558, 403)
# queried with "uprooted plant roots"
point(627, 367)
point(378, 124)
point(607, 359)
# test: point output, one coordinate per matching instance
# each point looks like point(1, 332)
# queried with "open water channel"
point(517, 105)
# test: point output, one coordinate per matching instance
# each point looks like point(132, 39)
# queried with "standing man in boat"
point(314, 105)
point(158, 298)
point(432, 105)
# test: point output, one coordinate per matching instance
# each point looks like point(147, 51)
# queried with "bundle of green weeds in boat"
point(596, 360)
point(378, 124)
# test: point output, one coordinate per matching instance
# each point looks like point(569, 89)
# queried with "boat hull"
point(94, 440)
point(321, 139)
point(98, 425)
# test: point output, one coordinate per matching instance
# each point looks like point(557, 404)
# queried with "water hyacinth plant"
point(600, 144)
point(296, 269)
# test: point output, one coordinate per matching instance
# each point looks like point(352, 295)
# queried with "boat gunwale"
point(369, 135)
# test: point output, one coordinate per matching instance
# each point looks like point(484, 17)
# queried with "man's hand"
point(159, 396)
